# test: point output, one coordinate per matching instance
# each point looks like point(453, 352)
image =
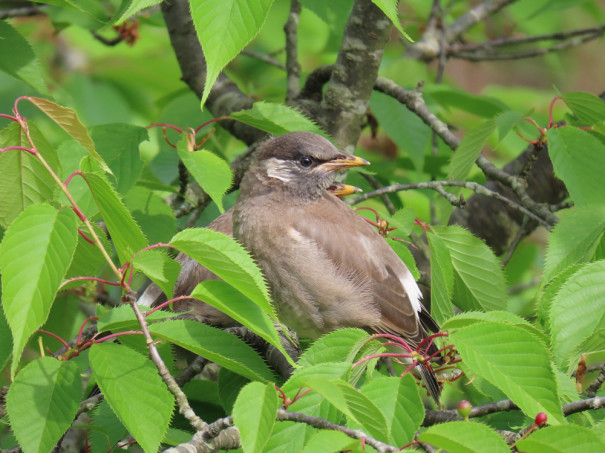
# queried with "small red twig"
point(164, 304)
point(86, 238)
point(89, 319)
point(55, 336)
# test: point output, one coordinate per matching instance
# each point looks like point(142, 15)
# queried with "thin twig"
point(264, 58)
point(438, 186)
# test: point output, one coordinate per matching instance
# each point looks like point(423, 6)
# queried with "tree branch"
point(348, 92)
point(292, 64)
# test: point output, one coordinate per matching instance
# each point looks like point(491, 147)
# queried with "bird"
point(192, 273)
point(326, 267)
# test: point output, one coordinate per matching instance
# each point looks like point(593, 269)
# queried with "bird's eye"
point(305, 161)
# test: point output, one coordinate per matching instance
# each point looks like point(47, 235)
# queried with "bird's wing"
point(358, 250)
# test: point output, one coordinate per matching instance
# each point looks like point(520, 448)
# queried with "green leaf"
point(225, 257)
point(589, 109)
point(160, 268)
point(227, 299)
point(224, 28)
point(464, 437)
point(6, 342)
point(118, 144)
point(68, 120)
point(149, 210)
point(469, 149)
point(515, 361)
point(130, 7)
point(405, 128)
point(19, 60)
point(216, 345)
point(389, 8)
point(24, 179)
point(109, 428)
point(400, 402)
point(254, 415)
point(211, 172)
point(351, 402)
point(334, 13)
point(576, 312)
point(134, 390)
point(325, 441)
point(562, 439)
point(123, 318)
point(574, 239)
point(35, 254)
point(403, 252)
point(342, 345)
point(482, 106)
point(478, 277)
point(548, 293)
point(578, 158)
point(125, 233)
point(42, 402)
point(276, 119)
point(472, 317)
point(442, 279)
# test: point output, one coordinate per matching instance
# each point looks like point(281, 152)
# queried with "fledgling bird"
point(326, 267)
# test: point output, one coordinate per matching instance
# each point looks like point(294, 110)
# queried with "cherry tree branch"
point(292, 64)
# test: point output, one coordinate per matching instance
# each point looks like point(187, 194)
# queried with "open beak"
point(341, 190)
point(344, 161)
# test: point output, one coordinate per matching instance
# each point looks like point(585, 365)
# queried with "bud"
point(464, 409)
point(540, 419)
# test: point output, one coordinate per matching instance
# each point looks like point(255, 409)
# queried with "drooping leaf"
point(469, 149)
point(224, 28)
point(254, 415)
point(125, 233)
point(442, 280)
point(574, 239)
point(225, 257)
point(19, 60)
point(589, 109)
point(389, 8)
point(134, 390)
point(276, 119)
point(211, 172)
point(562, 439)
point(160, 268)
point(42, 402)
point(515, 361)
point(403, 252)
point(68, 120)
point(464, 437)
point(35, 254)
point(351, 402)
point(109, 428)
point(577, 158)
point(217, 345)
point(400, 402)
point(118, 145)
point(233, 303)
point(478, 276)
point(577, 310)
point(24, 179)
point(130, 8)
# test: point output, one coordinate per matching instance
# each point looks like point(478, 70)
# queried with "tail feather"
point(429, 379)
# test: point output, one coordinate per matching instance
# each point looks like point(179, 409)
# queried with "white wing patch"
point(413, 291)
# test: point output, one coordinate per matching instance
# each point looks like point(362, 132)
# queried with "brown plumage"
point(326, 267)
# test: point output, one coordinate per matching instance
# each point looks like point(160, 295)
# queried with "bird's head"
point(302, 162)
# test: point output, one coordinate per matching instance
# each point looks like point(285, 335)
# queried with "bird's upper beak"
point(340, 190)
point(344, 161)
